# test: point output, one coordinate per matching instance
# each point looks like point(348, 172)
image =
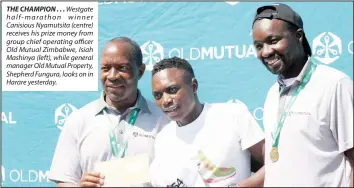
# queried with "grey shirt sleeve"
point(341, 114)
point(66, 161)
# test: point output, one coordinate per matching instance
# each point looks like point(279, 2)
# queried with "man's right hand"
point(92, 179)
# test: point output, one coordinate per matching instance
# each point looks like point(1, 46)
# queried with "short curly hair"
point(173, 62)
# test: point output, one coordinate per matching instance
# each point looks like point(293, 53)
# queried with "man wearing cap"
point(308, 112)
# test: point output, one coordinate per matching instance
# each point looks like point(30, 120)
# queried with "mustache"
point(275, 56)
point(170, 108)
point(115, 83)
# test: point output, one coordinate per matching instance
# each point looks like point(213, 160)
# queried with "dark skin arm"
point(349, 154)
point(257, 179)
point(255, 164)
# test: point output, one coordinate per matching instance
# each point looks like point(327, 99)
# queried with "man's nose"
point(113, 74)
point(167, 100)
point(267, 51)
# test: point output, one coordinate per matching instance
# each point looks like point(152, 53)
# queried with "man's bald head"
point(134, 49)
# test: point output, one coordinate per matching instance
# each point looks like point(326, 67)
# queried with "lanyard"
point(119, 148)
point(305, 80)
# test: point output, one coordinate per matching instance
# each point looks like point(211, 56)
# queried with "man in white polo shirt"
point(308, 112)
point(202, 144)
point(97, 131)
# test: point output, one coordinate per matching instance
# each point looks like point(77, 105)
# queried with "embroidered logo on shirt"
point(136, 134)
point(291, 113)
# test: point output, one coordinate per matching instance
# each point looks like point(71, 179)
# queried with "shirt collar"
point(141, 103)
point(299, 78)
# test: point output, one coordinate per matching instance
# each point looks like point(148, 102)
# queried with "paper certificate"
point(125, 172)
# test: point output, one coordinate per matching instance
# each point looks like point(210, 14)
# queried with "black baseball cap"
point(283, 12)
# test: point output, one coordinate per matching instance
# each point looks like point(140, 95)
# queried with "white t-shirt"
point(318, 129)
point(210, 151)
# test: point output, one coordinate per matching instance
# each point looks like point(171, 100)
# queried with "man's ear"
point(141, 70)
point(299, 35)
point(194, 85)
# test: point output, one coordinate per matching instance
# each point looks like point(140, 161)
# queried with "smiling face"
point(277, 48)
point(174, 92)
point(119, 73)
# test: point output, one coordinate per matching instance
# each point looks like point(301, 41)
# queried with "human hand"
point(92, 179)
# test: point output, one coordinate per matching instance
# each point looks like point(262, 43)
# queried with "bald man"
point(99, 131)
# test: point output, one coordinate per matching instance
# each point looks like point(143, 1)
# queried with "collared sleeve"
point(250, 132)
point(66, 162)
point(341, 114)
